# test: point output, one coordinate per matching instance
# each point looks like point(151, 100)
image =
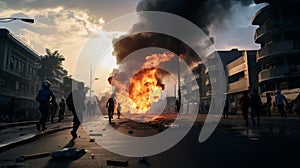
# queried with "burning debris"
point(144, 87)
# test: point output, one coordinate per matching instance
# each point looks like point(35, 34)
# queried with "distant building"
point(18, 71)
point(57, 79)
point(204, 81)
point(242, 75)
point(279, 37)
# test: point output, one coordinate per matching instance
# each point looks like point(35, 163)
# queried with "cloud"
point(56, 28)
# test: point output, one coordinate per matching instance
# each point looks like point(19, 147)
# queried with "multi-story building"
point(204, 81)
point(242, 76)
point(279, 36)
point(18, 71)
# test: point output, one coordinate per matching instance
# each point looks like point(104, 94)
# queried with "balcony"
point(273, 73)
point(262, 15)
point(238, 86)
point(237, 69)
point(277, 48)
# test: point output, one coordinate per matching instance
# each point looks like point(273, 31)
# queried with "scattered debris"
point(117, 163)
point(34, 156)
point(68, 153)
point(95, 134)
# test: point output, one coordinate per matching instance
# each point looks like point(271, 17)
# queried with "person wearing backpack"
point(75, 103)
point(44, 97)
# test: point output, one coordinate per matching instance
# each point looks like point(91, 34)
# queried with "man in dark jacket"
point(44, 97)
point(110, 105)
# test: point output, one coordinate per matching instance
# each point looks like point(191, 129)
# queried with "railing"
point(277, 48)
point(237, 69)
point(23, 43)
point(241, 84)
point(272, 73)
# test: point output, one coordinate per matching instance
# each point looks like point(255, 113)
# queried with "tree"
point(50, 63)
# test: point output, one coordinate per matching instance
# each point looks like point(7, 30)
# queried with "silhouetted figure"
point(178, 105)
point(75, 103)
point(226, 108)
point(269, 104)
point(110, 105)
point(119, 110)
point(12, 107)
point(279, 100)
point(53, 109)
point(62, 109)
point(245, 102)
point(256, 107)
point(94, 108)
point(89, 108)
point(44, 96)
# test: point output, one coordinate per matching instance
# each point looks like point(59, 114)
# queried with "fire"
point(145, 88)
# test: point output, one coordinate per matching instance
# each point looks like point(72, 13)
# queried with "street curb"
point(23, 123)
point(24, 141)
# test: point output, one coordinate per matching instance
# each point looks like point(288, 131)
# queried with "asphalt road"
point(276, 143)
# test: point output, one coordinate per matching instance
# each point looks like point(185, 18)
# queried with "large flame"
point(144, 87)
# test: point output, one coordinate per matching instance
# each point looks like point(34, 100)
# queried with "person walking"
point(75, 103)
point(269, 104)
point(226, 108)
point(279, 101)
point(244, 102)
point(110, 105)
point(53, 109)
point(44, 97)
point(62, 109)
point(119, 110)
point(256, 107)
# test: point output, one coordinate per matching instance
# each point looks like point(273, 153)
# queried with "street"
point(274, 143)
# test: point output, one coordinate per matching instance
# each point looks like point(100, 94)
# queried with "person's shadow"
point(63, 161)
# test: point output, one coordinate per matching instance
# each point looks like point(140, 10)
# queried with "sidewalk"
point(14, 134)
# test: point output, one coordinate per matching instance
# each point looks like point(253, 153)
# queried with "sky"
point(69, 26)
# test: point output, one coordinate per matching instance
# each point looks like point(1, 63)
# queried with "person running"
point(62, 109)
point(110, 105)
point(44, 97)
point(256, 107)
point(279, 100)
point(75, 103)
point(245, 102)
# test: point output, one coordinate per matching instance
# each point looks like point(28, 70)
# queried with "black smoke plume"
point(203, 13)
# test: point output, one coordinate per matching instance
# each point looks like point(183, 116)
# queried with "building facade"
point(18, 71)
point(279, 36)
point(242, 76)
